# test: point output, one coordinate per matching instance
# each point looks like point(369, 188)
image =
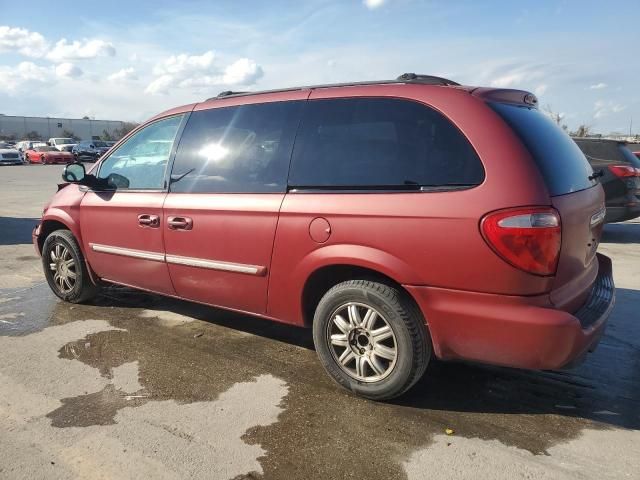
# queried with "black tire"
point(411, 342)
point(82, 288)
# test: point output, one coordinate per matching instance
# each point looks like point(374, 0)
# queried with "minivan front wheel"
point(65, 268)
point(371, 338)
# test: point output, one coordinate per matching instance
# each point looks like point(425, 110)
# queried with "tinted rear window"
point(560, 161)
point(380, 143)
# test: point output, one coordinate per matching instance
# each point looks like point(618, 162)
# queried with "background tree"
point(70, 134)
point(556, 117)
point(126, 128)
point(583, 130)
point(106, 136)
point(33, 135)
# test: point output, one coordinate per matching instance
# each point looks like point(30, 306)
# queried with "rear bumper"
point(522, 332)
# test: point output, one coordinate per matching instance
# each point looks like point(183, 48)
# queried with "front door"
point(220, 216)
point(122, 226)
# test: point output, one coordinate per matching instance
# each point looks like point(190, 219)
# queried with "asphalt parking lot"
point(137, 386)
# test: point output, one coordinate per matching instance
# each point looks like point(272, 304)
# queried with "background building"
point(20, 128)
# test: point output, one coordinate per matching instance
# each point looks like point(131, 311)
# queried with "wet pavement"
point(138, 386)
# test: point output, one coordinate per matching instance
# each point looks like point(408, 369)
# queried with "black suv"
point(89, 149)
point(620, 176)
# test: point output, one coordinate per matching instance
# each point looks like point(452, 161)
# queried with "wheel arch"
point(56, 219)
point(324, 278)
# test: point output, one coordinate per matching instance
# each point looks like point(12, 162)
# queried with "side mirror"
point(74, 173)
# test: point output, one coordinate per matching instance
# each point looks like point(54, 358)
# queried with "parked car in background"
point(400, 220)
point(47, 155)
point(620, 176)
point(89, 150)
point(635, 149)
point(62, 144)
point(25, 145)
point(9, 155)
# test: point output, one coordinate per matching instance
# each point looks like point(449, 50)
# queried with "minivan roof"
point(404, 78)
point(488, 94)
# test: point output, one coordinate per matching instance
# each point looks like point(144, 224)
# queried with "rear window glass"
point(562, 164)
point(380, 143)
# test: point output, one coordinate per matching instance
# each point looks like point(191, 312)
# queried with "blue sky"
point(129, 60)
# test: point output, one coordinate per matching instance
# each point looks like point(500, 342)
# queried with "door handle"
point(146, 220)
point(180, 223)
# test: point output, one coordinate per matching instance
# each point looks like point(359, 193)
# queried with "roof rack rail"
point(404, 78)
point(228, 93)
point(426, 79)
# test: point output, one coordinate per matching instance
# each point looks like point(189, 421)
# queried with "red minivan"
point(401, 220)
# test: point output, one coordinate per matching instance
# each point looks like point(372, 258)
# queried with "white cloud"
point(200, 71)
point(598, 86)
point(178, 64)
point(23, 75)
point(22, 41)
point(603, 108)
point(160, 85)
point(373, 4)
point(33, 44)
point(508, 80)
point(242, 72)
point(541, 89)
point(80, 50)
point(123, 75)
point(68, 70)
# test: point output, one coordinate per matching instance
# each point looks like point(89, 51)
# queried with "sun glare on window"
point(213, 152)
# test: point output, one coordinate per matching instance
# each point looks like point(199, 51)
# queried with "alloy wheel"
point(63, 267)
point(362, 342)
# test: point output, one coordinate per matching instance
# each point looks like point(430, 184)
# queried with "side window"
point(141, 161)
point(380, 143)
point(243, 149)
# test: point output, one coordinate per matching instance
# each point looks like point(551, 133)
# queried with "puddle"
point(187, 354)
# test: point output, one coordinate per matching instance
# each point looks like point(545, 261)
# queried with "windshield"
point(562, 164)
point(63, 141)
point(45, 149)
point(100, 144)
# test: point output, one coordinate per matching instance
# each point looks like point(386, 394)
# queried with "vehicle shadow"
point(605, 388)
point(15, 231)
point(625, 232)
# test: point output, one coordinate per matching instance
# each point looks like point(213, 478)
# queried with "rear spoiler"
point(506, 95)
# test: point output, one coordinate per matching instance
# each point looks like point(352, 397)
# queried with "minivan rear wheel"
point(65, 268)
point(371, 338)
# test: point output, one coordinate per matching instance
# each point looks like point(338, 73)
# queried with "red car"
point(47, 155)
point(401, 220)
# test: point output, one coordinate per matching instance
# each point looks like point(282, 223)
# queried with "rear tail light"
point(624, 171)
point(527, 238)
